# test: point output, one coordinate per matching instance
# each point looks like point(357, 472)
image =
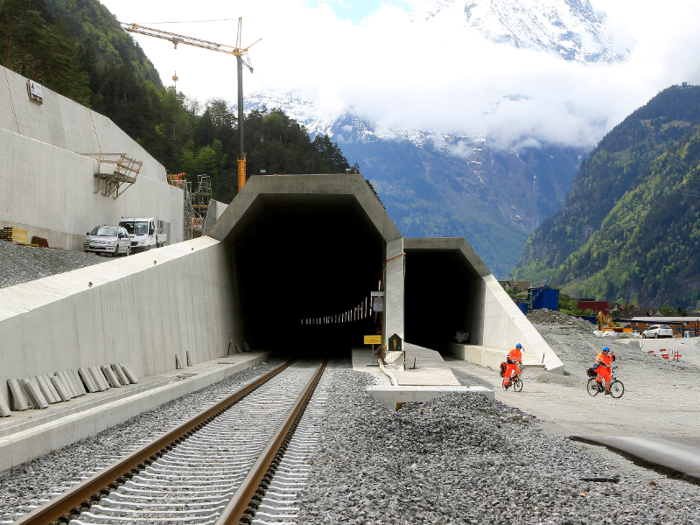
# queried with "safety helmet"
point(518, 346)
point(606, 349)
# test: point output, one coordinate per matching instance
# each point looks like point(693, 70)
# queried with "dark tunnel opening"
point(301, 262)
point(442, 296)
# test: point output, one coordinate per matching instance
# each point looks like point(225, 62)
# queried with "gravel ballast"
point(26, 263)
point(460, 459)
point(32, 483)
point(469, 459)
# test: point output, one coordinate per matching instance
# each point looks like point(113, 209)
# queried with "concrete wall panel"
point(394, 293)
point(46, 188)
point(135, 311)
point(505, 325)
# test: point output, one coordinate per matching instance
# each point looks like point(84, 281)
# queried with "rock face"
point(571, 29)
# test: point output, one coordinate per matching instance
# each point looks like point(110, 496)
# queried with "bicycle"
point(616, 387)
point(515, 382)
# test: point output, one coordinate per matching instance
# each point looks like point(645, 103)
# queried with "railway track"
point(236, 459)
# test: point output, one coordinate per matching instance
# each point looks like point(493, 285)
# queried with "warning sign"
point(373, 339)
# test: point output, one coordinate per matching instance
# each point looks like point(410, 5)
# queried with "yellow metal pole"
point(241, 172)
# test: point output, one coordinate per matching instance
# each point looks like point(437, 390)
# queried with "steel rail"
point(96, 487)
point(236, 508)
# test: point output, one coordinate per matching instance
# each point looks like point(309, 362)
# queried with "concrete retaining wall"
point(505, 325)
point(142, 310)
point(48, 189)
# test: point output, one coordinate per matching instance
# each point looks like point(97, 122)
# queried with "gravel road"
point(661, 397)
point(467, 459)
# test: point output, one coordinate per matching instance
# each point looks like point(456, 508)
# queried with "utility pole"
point(236, 51)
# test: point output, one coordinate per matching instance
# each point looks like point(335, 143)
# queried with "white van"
point(145, 232)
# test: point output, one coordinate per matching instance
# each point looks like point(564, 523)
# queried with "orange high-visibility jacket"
point(516, 356)
point(604, 360)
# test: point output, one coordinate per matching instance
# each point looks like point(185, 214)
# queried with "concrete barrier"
point(140, 310)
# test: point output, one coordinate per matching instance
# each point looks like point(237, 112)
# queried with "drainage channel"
point(201, 472)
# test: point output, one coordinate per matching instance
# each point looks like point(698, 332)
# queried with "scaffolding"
point(197, 203)
point(200, 204)
point(178, 180)
point(115, 173)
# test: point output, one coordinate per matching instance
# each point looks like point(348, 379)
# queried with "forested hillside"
point(70, 47)
point(629, 226)
point(647, 248)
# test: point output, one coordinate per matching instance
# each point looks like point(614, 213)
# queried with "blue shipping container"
point(523, 307)
point(545, 298)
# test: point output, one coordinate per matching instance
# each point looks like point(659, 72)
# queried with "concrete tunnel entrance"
point(300, 257)
point(443, 295)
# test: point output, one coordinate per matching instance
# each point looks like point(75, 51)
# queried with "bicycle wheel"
point(517, 384)
point(617, 389)
point(592, 387)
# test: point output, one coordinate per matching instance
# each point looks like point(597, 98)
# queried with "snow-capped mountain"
point(572, 29)
point(450, 184)
point(446, 185)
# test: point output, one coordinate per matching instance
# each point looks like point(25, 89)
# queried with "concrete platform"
point(430, 368)
point(680, 455)
point(33, 433)
point(395, 385)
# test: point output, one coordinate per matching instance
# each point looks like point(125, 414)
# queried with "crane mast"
point(236, 51)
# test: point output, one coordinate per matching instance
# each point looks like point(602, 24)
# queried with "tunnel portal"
point(301, 263)
point(443, 295)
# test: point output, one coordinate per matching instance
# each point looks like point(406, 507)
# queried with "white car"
point(657, 330)
point(112, 240)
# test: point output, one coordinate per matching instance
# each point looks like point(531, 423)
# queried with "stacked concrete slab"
point(48, 188)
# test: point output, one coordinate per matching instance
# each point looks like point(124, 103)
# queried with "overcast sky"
point(370, 57)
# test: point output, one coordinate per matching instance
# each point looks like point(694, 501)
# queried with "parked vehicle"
point(145, 233)
point(657, 330)
point(113, 240)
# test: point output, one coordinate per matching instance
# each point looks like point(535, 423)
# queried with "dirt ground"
point(662, 398)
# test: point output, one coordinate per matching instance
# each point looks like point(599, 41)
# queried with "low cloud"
point(434, 76)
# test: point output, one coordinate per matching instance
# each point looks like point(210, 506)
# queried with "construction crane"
point(236, 51)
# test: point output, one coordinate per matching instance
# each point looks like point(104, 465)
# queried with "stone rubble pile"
point(26, 263)
point(544, 316)
point(468, 459)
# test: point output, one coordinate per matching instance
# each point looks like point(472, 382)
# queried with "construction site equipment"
point(201, 198)
point(236, 51)
point(198, 204)
point(606, 324)
point(14, 235)
point(115, 173)
point(544, 297)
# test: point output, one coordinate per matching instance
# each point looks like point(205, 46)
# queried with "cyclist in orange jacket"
point(513, 362)
point(604, 365)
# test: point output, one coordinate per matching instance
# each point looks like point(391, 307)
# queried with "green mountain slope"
point(612, 169)
point(647, 248)
point(102, 43)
